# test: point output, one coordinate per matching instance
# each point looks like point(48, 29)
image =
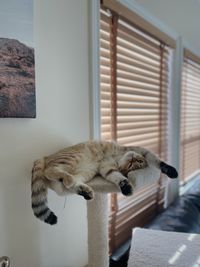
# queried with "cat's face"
point(138, 162)
point(135, 163)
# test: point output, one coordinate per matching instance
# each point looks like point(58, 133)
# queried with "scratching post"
point(97, 212)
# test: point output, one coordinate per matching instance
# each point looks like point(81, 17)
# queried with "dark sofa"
point(182, 216)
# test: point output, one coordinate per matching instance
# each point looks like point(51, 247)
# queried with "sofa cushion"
point(182, 216)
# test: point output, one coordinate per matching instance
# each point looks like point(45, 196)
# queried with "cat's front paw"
point(170, 171)
point(126, 187)
point(85, 191)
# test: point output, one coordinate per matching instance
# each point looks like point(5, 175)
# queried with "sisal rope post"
point(97, 212)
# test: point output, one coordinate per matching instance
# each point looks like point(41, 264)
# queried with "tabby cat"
point(72, 167)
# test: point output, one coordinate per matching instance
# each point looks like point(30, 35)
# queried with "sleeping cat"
point(74, 166)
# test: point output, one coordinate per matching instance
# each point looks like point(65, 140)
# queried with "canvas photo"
point(17, 64)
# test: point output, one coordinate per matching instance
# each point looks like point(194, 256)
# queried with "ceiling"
point(183, 16)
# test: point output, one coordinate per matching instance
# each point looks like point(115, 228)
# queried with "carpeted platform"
point(152, 248)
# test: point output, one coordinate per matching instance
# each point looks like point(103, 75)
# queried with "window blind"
point(190, 119)
point(134, 76)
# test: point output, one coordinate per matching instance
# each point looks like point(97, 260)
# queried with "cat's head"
point(134, 162)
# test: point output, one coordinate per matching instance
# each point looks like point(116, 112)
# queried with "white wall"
point(181, 15)
point(61, 38)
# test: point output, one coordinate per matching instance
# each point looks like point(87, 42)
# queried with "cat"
point(74, 166)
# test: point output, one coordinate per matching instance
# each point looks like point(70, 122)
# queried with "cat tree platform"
point(97, 212)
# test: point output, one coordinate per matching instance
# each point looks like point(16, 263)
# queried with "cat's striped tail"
point(39, 194)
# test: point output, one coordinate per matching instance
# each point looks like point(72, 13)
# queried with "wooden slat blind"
point(134, 110)
point(190, 119)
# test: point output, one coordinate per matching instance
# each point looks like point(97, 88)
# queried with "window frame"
point(190, 59)
point(116, 30)
point(172, 191)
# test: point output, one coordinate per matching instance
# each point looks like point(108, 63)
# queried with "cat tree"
point(97, 211)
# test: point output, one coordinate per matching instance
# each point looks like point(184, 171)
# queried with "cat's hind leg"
point(81, 188)
point(56, 173)
point(75, 183)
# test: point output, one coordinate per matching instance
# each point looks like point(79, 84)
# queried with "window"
point(134, 75)
point(190, 118)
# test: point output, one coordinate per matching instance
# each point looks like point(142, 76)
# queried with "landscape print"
point(17, 65)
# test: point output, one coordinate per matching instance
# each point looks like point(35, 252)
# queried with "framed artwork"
point(17, 64)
